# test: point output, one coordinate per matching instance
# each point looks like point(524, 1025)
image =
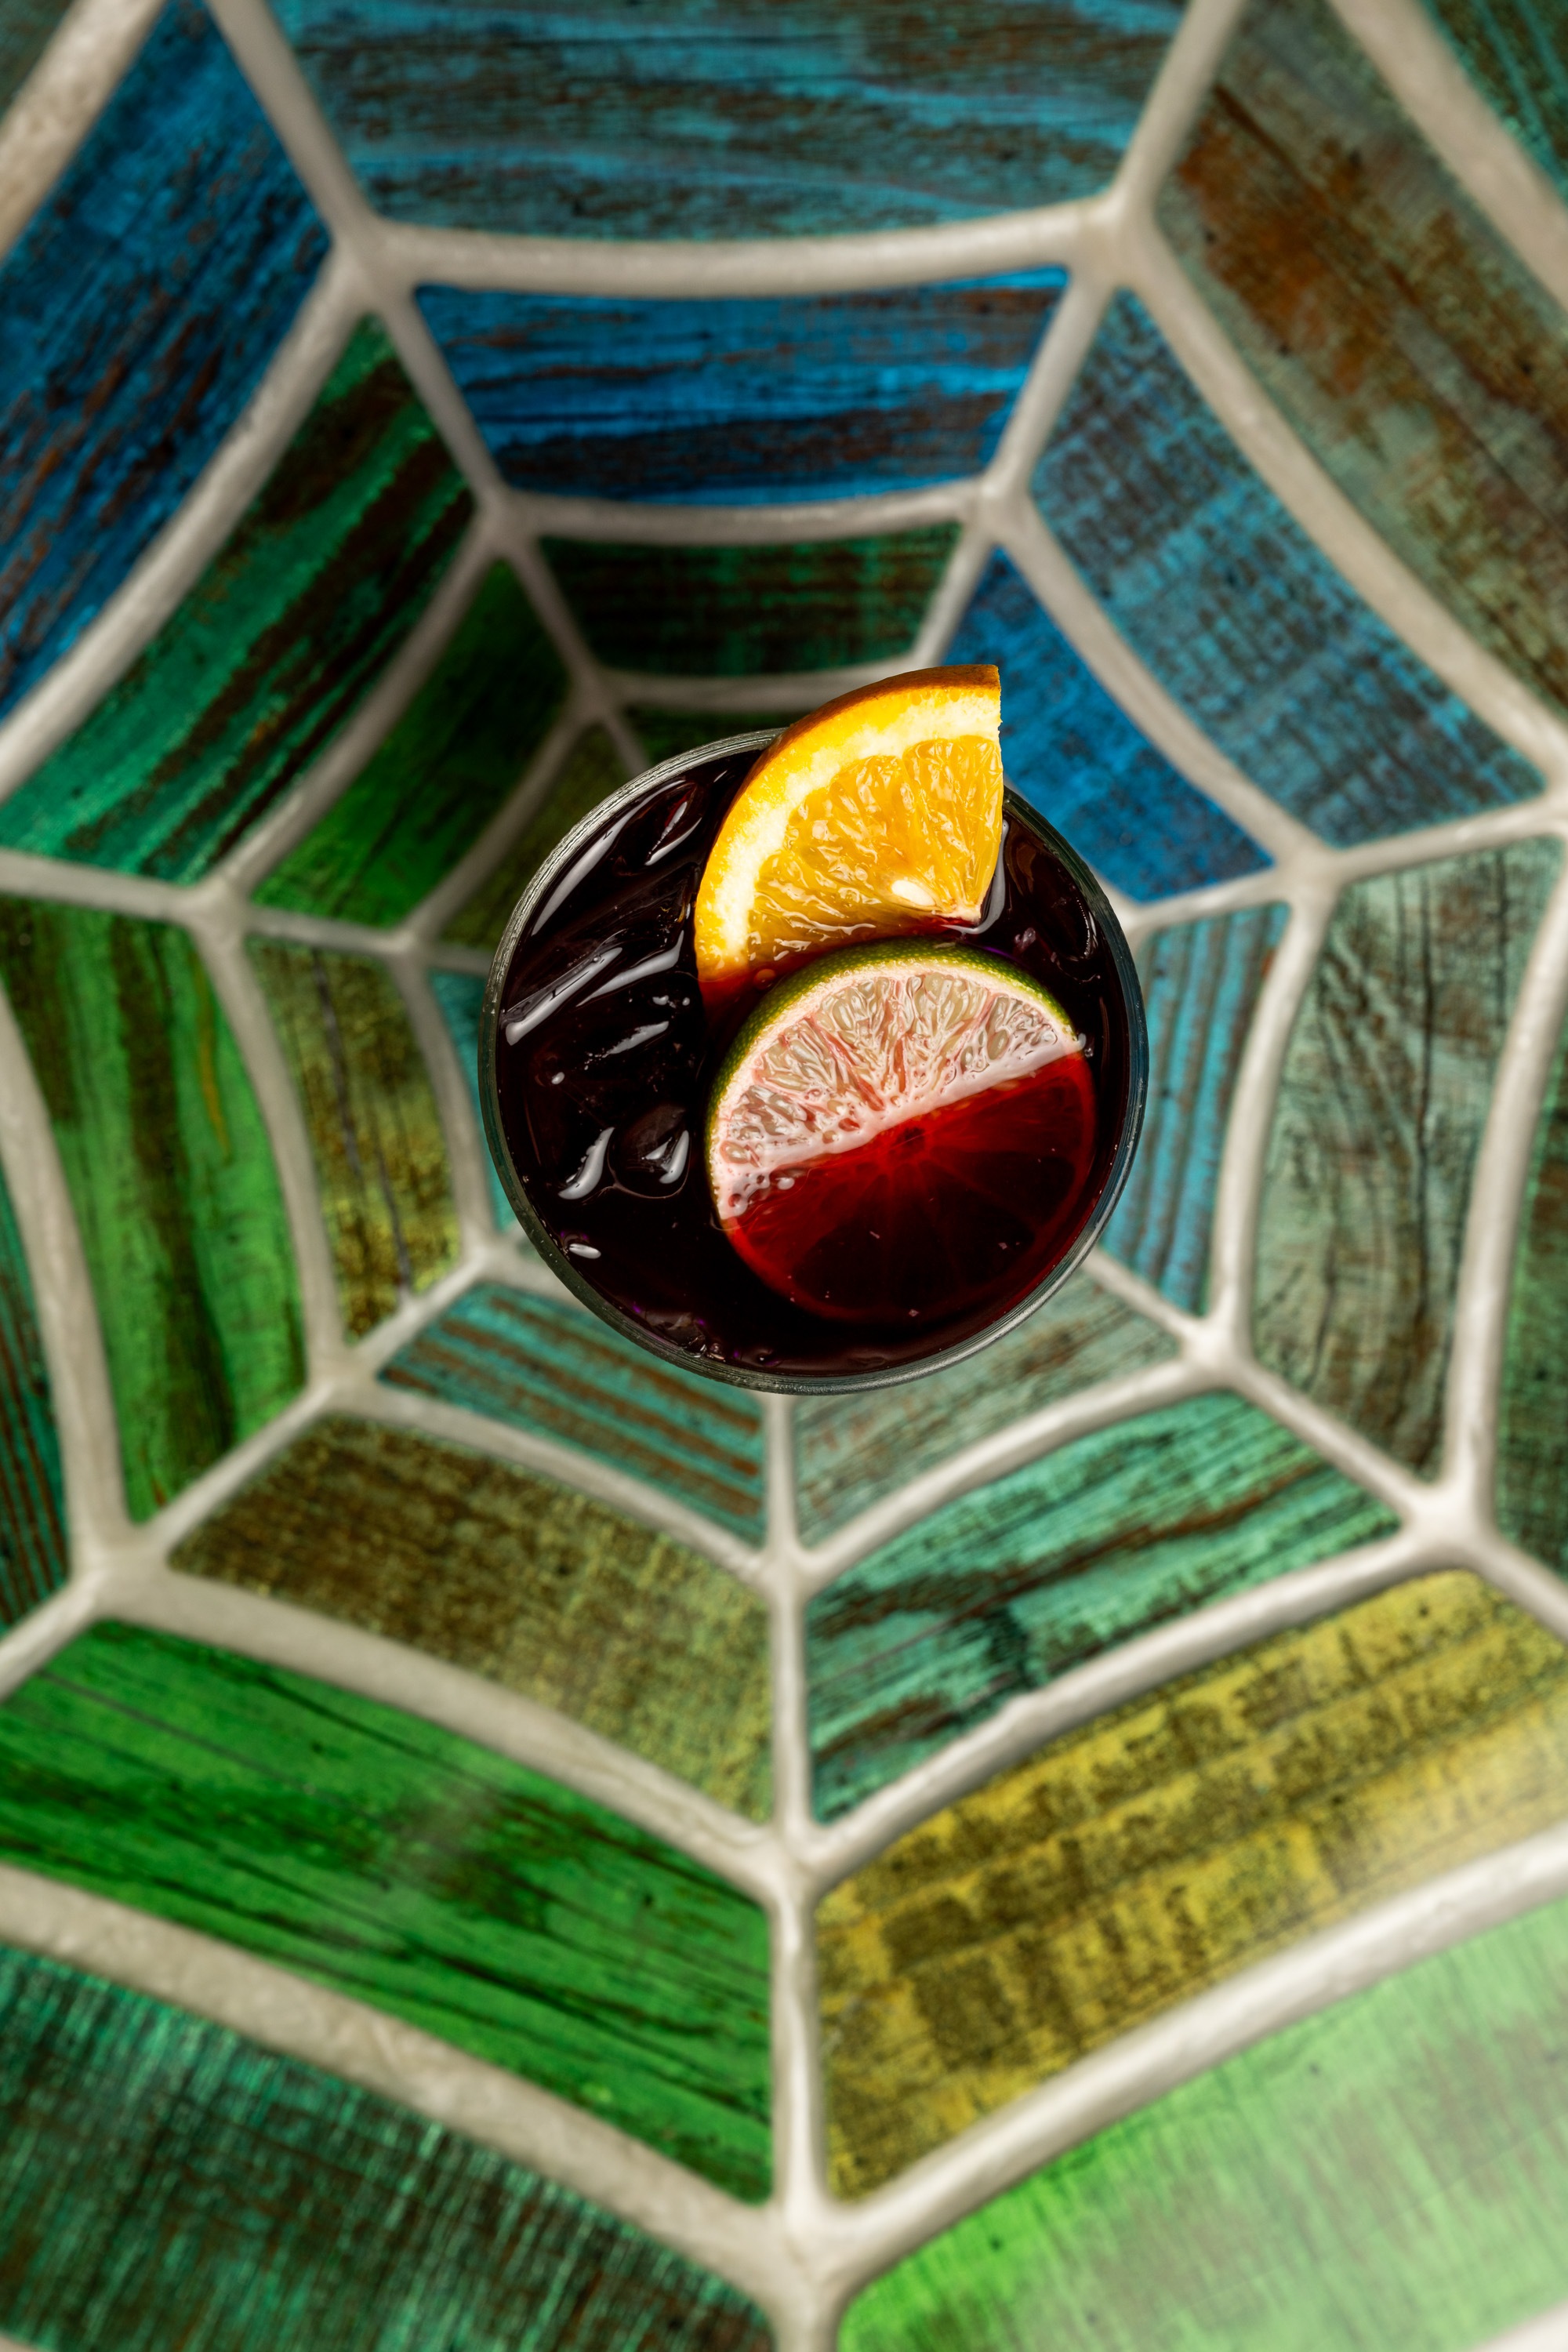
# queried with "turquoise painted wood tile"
point(460, 996)
point(166, 2181)
point(730, 612)
point(1383, 1097)
point(171, 1180)
point(142, 306)
point(800, 396)
point(540, 1364)
point(726, 118)
point(255, 673)
point(446, 767)
point(851, 1451)
point(1072, 751)
point(1200, 986)
point(1517, 52)
point(375, 1854)
point(23, 32)
point(1005, 1588)
point(1240, 617)
point(33, 1554)
point(1393, 2171)
point(1417, 356)
point(1532, 1491)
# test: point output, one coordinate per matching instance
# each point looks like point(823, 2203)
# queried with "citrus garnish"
point(902, 1131)
point(879, 813)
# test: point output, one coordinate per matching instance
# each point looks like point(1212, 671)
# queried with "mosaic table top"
point(507, 1845)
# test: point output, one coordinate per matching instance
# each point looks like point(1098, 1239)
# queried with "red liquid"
point(602, 1096)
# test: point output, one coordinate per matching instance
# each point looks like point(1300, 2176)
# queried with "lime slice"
point(901, 1132)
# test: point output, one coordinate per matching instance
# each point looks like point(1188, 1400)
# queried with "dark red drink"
point(597, 1056)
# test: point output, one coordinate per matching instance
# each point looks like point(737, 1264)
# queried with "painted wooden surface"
point(1419, 358)
point(1200, 985)
point(33, 1556)
point(1126, 1867)
point(441, 774)
point(275, 646)
point(800, 396)
point(516, 1577)
point(173, 1182)
point(461, 995)
point(726, 118)
point(1532, 1490)
point(663, 733)
point(730, 612)
point(592, 772)
point(540, 1364)
point(164, 2181)
point(142, 305)
point(1381, 1103)
point(1071, 749)
point(396, 1861)
point(1241, 618)
point(1517, 50)
point(1392, 2171)
point(375, 1135)
point(1004, 1589)
point(852, 1450)
point(25, 27)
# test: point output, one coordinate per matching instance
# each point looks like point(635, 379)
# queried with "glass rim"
point(757, 1378)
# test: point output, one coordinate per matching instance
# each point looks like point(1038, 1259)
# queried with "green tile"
point(273, 648)
point(1382, 1099)
point(24, 31)
point(1388, 2173)
point(398, 1863)
point(540, 1364)
point(592, 772)
point(461, 996)
point(376, 1134)
point(516, 1577)
point(33, 1556)
point(441, 774)
point(172, 1181)
point(1532, 1418)
point(732, 611)
point(166, 2181)
point(663, 733)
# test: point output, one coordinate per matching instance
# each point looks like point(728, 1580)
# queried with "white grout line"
point(1547, 2333)
point(82, 66)
point(467, 1157)
point(633, 523)
point(178, 555)
point(1181, 87)
point(458, 884)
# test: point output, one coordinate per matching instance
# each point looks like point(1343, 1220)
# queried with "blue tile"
point(142, 306)
point(460, 996)
point(726, 118)
point(1246, 623)
point(804, 397)
point(1072, 750)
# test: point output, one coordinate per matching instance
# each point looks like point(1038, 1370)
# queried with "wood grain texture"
point(321, 579)
point(540, 1364)
point(1006, 1588)
point(1125, 1867)
point(726, 118)
point(1531, 1491)
point(1416, 355)
point(515, 1578)
point(1071, 750)
point(461, 996)
point(164, 2181)
point(1242, 619)
point(396, 1862)
point(441, 774)
point(33, 1553)
point(1200, 985)
point(142, 306)
point(732, 611)
point(800, 396)
point(171, 1179)
point(851, 1450)
point(25, 29)
point(1390, 2172)
point(590, 773)
point(380, 1156)
point(1517, 52)
point(1382, 1101)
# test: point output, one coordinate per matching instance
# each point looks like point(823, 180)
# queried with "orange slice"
point(879, 815)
